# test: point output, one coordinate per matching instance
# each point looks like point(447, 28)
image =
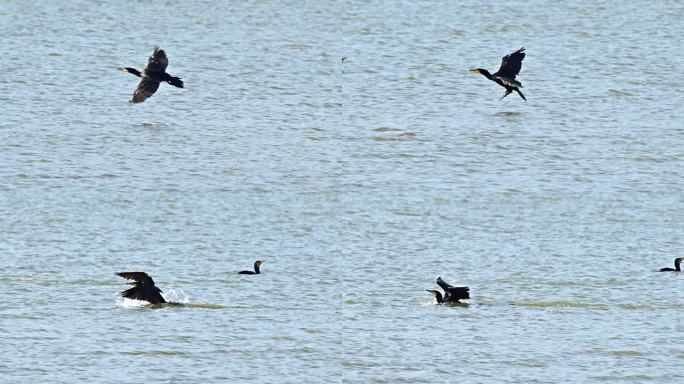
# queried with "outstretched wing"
point(454, 293)
point(511, 64)
point(144, 288)
point(158, 61)
point(146, 88)
point(144, 292)
point(458, 293)
point(140, 277)
point(443, 284)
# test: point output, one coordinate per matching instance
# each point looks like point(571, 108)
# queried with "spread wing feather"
point(145, 89)
point(454, 293)
point(145, 292)
point(459, 293)
point(511, 64)
point(158, 61)
point(443, 284)
point(140, 277)
point(143, 288)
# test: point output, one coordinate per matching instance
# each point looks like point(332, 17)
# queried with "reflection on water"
point(159, 126)
point(508, 115)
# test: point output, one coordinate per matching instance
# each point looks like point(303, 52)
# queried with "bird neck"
point(131, 71)
point(439, 298)
point(678, 265)
point(485, 73)
point(256, 268)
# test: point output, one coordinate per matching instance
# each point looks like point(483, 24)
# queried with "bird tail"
point(176, 82)
point(520, 93)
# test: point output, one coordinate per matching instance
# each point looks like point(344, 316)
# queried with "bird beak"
point(123, 69)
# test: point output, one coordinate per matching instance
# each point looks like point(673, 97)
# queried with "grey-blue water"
point(358, 183)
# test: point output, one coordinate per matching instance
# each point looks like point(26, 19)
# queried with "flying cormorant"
point(154, 74)
point(451, 294)
point(677, 268)
point(256, 271)
point(505, 76)
point(143, 288)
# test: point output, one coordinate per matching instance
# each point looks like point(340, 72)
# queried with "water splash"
point(130, 303)
point(171, 296)
point(176, 296)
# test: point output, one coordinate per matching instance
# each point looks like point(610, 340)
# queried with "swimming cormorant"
point(255, 271)
point(505, 76)
point(677, 267)
point(451, 294)
point(154, 74)
point(143, 288)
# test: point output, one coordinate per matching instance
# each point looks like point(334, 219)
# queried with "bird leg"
point(508, 92)
point(520, 93)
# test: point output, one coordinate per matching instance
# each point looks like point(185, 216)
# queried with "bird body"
point(451, 294)
point(256, 271)
point(677, 268)
point(143, 288)
point(505, 76)
point(152, 76)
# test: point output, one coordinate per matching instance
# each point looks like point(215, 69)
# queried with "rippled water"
point(358, 182)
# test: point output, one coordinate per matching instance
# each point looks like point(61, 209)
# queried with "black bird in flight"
point(677, 267)
point(505, 76)
point(143, 288)
point(451, 294)
point(256, 271)
point(154, 73)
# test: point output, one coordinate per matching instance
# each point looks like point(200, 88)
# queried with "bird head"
point(131, 71)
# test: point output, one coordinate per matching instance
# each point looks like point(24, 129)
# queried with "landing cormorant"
point(451, 294)
point(143, 288)
point(256, 271)
point(154, 74)
point(677, 267)
point(505, 76)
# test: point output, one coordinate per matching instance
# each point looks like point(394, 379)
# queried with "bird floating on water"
point(677, 268)
point(154, 73)
point(505, 76)
point(256, 270)
point(451, 294)
point(143, 288)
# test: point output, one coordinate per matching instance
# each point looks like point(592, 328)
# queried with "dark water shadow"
point(176, 305)
point(454, 305)
point(153, 126)
point(187, 305)
point(508, 115)
point(560, 304)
